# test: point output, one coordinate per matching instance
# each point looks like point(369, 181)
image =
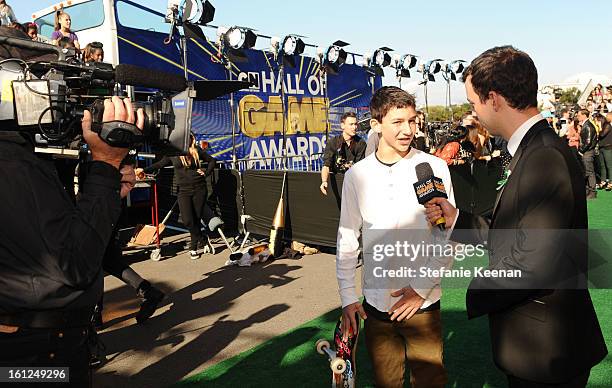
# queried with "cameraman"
point(51, 250)
point(342, 151)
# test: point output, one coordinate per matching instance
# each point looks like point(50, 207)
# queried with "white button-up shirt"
point(378, 196)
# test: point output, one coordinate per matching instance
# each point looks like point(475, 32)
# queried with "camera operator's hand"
point(128, 179)
point(114, 109)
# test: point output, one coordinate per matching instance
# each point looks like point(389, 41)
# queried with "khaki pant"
point(418, 340)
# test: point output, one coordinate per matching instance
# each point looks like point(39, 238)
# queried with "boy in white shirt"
point(377, 194)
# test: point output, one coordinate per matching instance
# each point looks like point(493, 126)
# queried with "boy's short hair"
point(346, 115)
point(387, 98)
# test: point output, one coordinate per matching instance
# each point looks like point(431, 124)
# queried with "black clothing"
point(192, 194)
point(588, 161)
point(419, 143)
point(546, 337)
point(588, 137)
point(113, 262)
point(605, 137)
point(51, 250)
point(51, 258)
point(49, 348)
point(193, 209)
point(187, 178)
point(577, 382)
point(337, 152)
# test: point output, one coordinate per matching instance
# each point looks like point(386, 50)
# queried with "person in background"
point(93, 52)
point(588, 142)
point(192, 195)
point(62, 30)
point(450, 148)
point(342, 151)
point(7, 16)
point(66, 43)
point(605, 152)
point(32, 31)
point(573, 138)
point(476, 147)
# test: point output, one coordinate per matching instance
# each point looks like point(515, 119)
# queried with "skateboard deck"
point(342, 360)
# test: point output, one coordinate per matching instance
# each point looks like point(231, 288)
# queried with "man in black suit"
point(544, 331)
point(588, 141)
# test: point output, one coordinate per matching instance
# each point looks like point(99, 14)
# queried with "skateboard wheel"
point(338, 365)
point(322, 344)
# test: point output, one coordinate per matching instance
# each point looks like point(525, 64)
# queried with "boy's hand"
point(348, 318)
point(407, 306)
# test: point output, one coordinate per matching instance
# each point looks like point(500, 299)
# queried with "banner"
point(258, 111)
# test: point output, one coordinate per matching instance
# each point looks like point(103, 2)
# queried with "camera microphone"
point(428, 187)
point(140, 76)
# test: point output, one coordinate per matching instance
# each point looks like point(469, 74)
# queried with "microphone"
point(428, 187)
point(140, 76)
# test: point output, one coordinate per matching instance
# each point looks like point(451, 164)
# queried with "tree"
point(442, 113)
point(569, 96)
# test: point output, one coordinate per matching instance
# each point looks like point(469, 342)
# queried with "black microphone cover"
point(428, 186)
point(141, 76)
point(423, 171)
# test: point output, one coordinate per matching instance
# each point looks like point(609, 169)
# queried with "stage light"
point(190, 11)
point(404, 64)
point(240, 38)
point(335, 56)
point(207, 14)
point(381, 57)
point(434, 66)
point(454, 68)
point(293, 45)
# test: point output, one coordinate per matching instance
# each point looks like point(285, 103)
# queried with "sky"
point(563, 37)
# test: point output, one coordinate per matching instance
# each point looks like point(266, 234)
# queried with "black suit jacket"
point(543, 325)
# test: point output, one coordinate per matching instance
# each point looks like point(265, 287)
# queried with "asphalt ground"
point(211, 313)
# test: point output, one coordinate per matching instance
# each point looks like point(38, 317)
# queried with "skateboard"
point(342, 359)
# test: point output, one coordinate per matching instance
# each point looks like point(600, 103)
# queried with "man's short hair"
point(507, 71)
point(585, 112)
point(387, 98)
point(346, 115)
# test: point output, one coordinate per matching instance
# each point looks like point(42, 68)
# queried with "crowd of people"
point(587, 131)
point(62, 35)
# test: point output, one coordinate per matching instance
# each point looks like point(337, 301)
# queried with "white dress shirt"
point(519, 134)
point(378, 196)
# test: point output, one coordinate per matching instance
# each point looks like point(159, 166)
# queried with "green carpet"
point(290, 360)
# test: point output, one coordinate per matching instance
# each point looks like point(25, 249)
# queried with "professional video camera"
point(436, 130)
point(48, 98)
